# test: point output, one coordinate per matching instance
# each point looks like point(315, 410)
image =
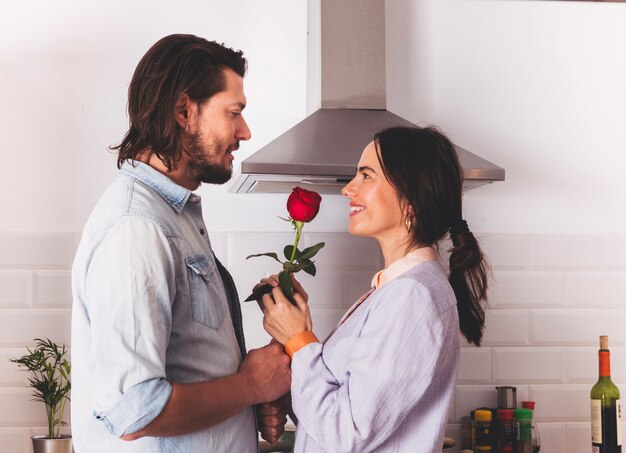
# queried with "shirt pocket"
point(208, 300)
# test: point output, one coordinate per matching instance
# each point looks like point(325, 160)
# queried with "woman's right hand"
point(272, 280)
point(282, 319)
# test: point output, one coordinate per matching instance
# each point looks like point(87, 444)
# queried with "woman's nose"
point(348, 190)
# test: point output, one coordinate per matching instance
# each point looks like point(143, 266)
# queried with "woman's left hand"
point(282, 319)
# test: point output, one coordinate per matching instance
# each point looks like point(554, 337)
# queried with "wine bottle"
point(605, 407)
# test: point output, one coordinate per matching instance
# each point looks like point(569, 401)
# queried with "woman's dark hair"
point(423, 167)
point(174, 65)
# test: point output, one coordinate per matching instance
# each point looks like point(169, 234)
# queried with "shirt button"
point(202, 231)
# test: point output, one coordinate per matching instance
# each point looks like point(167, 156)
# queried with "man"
point(157, 342)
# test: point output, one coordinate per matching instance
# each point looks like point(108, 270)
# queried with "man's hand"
point(271, 417)
point(267, 372)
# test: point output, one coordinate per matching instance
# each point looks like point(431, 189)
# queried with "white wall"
point(65, 69)
point(538, 88)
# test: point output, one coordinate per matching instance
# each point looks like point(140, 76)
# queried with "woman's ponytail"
point(468, 278)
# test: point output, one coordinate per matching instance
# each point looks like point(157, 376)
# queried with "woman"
point(383, 379)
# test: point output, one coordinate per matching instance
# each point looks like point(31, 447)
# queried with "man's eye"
point(235, 114)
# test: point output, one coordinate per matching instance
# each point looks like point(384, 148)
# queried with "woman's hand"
point(273, 282)
point(282, 319)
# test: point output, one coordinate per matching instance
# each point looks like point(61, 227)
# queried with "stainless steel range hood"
point(321, 152)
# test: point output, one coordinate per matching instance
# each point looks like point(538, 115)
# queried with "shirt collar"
point(176, 196)
point(400, 266)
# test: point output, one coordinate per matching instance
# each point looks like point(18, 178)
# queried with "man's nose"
point(243, 131)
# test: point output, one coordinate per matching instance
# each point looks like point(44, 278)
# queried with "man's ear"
point(183, 111)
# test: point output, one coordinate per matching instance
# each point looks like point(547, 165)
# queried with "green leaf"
point(310, 269)
point(285, 283)
point(310, 252)
point(259, 292)
point(288, 251)
point(303, 263)
point(271, 255)
point(289, 267)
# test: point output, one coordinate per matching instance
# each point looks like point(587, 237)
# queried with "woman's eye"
point(236, 114)
point(365, 176)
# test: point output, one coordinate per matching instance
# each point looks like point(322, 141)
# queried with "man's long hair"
point(175, 65)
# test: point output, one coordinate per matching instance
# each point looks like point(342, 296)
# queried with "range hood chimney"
point(321, 152)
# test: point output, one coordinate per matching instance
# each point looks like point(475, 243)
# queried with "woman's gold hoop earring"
point(186, 128)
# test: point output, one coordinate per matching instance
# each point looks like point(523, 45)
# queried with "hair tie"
point(459, 227)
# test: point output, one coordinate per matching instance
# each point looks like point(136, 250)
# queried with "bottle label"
point(618, 409)
point(596, 421)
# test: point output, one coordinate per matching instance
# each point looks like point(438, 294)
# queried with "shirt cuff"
point(140, 405)
point(299, 341)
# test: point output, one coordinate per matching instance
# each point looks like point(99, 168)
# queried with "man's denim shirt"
point(151, 306)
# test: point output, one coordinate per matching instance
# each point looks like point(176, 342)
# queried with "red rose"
point(303, 205)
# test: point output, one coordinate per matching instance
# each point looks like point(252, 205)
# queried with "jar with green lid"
point(482, 429)
point(523, 430)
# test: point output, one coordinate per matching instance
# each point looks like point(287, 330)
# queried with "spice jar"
point(482, 429)
point(523, 430)
point(505, 430)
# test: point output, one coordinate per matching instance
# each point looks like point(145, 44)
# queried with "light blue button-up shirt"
point(151, 306)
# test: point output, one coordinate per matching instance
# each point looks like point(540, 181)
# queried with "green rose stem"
point(298, 226)
point(284, 277)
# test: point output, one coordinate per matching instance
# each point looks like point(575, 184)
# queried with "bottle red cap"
point(528, 405)
point(504, 414)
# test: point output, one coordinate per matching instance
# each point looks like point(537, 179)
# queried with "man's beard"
point(199, 165)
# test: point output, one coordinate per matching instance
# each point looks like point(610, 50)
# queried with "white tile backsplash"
point(355, 284)
point(20, 327)
point(324, 289)
point(564, 251)
point(578, 437)
point(48, 250)
point(613, 251)
point(13, 440)
point(552, 436)
point(524, 365)
point(551, 297)
point(345, 251)
point(527, 289)
point(19, 409)
point(612, 324)
point(16, 289)
point(506, 327)
point(561, 402)
point(10, 374)
point(596, 289)
point(581, 364)
point(52, 289)
point(241, 245)
point(564, 327)
point(506, 251)
point(475, 366)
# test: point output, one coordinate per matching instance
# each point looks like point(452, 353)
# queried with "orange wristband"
point(299, 341)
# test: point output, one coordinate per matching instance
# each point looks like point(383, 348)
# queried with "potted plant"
point(49, 377)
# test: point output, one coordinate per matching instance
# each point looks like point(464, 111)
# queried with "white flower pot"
point(43, 444)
